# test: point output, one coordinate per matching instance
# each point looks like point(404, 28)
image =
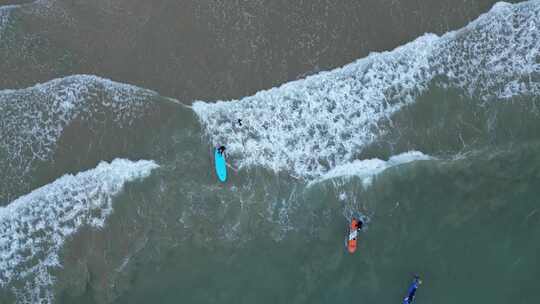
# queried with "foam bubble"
point(33, 228)
point(312, 125)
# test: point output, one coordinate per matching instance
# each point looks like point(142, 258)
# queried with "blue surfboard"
point(221, 166)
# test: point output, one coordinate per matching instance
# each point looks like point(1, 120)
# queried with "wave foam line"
point(34, 227)
point(369, 168)
point(312, 125)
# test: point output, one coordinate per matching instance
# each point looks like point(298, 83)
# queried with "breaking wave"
point(368, 168)
point(312, 125)
point(34, 227)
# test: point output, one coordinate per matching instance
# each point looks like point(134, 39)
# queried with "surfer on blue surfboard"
point(412, 290)
point(220, 163)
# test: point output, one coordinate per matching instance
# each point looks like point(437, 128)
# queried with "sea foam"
point(34, 227)
point(33, 119)
point(310, 126)
point(368, 168)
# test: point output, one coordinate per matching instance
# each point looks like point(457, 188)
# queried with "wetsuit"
point(412, 291)
point(355, 227)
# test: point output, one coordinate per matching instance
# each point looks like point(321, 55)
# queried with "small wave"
point(34, 227)
point(312, 125)
point(368, 168)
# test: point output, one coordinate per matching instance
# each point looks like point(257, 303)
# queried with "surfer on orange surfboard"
point(355, 226)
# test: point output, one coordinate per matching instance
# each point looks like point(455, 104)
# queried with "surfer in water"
point(356, 225)
point(221, 150)
point(412, 290)
point(359, 224)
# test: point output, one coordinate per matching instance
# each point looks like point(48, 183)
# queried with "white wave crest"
point(313, 125)
point(33, 228)
point(369, 168)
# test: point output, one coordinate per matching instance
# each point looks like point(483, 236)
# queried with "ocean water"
point(108, 192)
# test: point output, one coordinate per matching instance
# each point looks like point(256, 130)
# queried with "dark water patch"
point(28, 56)
point(445, 122)
point(6, 297)
point(219, 50)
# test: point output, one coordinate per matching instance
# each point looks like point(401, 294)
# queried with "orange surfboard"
point(353, 234)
